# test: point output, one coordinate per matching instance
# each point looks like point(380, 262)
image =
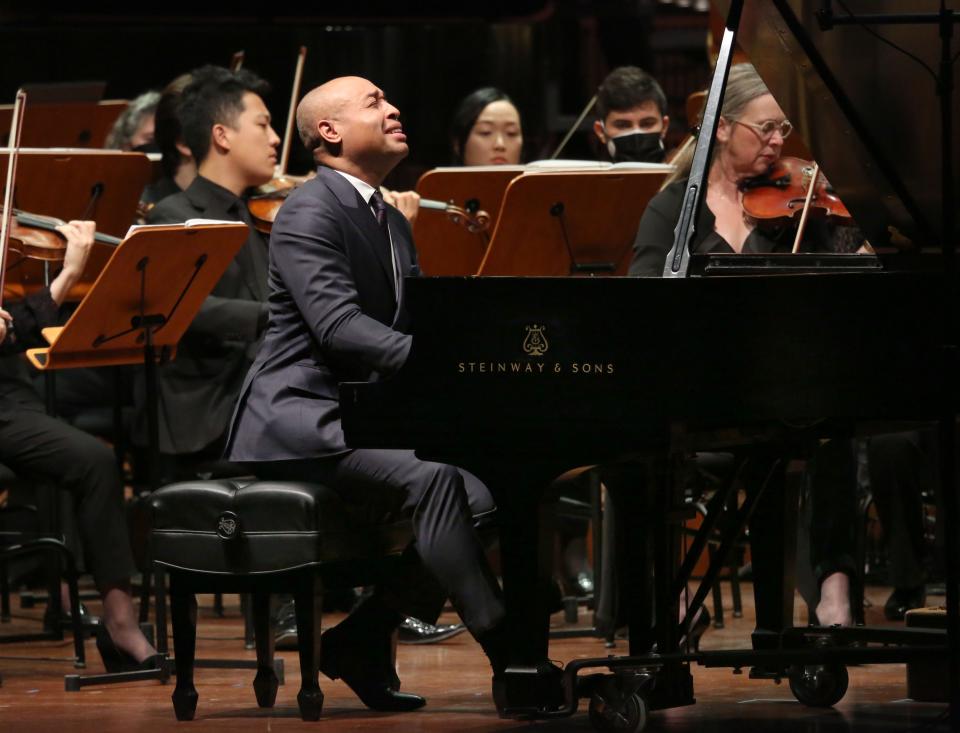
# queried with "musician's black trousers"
point(834, 518)
point(41, 448)
point(899, 471)
point(443, 503)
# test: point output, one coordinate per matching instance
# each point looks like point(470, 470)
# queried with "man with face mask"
point(631, 116)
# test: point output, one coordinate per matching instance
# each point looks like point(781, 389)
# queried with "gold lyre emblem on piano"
point(535, 344)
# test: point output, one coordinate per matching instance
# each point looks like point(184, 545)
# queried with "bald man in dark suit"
point(338, 256)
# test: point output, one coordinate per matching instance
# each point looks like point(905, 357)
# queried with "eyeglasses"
point(766, 129)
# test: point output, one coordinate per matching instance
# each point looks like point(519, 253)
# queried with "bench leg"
point(183, 610)
point(309, 608)
point(266, 682)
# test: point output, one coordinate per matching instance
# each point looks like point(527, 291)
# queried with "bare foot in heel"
point(834, 606)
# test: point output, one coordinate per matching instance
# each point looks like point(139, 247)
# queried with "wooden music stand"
point(445, 248)
point(104, 185)
point(65, 124)
point(570, 222)
point(142, 302)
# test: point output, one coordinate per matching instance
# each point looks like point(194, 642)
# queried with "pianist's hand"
point(407, 201)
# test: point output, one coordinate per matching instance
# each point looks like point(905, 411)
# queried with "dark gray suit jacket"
point(334, 317)
point(199, 388)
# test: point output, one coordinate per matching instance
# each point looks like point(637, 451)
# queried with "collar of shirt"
point(214, 196)
point(366, 191)
point(363, 188)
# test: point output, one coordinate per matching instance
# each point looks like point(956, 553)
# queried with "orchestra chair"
point(16, 543)
point(263, 538)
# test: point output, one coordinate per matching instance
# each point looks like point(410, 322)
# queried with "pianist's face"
point(496, 137)
point(746, 149)
point(370, 125)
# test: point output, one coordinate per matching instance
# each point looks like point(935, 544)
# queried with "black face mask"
point(637, 147)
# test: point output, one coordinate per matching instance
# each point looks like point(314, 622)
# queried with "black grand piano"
point(521, 379)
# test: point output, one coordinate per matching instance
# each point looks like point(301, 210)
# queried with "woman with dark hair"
point(486, 129)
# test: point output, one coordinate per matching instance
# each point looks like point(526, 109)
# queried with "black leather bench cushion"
point(230, 526)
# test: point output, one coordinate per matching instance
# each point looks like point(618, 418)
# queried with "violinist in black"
point(41, 448)
point(749, 141)
point(750, 138)
point(226, 125)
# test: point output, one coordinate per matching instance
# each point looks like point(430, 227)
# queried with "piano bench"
point(265, 537)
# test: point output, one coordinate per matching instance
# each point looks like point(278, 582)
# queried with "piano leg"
point(641, 505)
point(773, 542)
point(526, 552)
point(627, 516)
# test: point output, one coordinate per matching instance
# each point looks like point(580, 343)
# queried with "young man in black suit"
point(226, 125)
point(338, 256)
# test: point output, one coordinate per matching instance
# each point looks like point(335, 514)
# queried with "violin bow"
point(806, 208)
point(13, 145)
point(236, 61)
point(294, 95)
point(574, 127)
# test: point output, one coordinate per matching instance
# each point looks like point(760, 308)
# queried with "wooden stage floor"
point(454, 677)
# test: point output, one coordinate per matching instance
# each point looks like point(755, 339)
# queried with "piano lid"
point(869, 114)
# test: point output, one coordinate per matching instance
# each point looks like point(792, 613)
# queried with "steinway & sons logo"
point(535, 344)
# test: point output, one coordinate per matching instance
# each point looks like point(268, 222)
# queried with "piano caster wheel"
point(821, 685)
point(611, 713)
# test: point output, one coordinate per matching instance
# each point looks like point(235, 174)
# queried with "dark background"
point(549, 56)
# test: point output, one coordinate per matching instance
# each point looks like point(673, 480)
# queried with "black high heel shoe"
point(117, 660)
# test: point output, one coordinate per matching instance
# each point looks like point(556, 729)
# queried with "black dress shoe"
point(285, 627)
point(87, 619)
point(415, 631)
point(903, 600)
point(367, 670)
point(117, 660)
point(529, 692)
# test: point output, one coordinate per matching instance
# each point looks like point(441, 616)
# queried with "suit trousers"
point(444, 503)
point(41, 448)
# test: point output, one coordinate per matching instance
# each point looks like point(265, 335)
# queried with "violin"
point(792, 190)
point(24, 235)
point(264, 207)
point(779, 195)
point(35, 237)
point(270, 196)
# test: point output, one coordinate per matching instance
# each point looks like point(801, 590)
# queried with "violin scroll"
point(475, 223)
